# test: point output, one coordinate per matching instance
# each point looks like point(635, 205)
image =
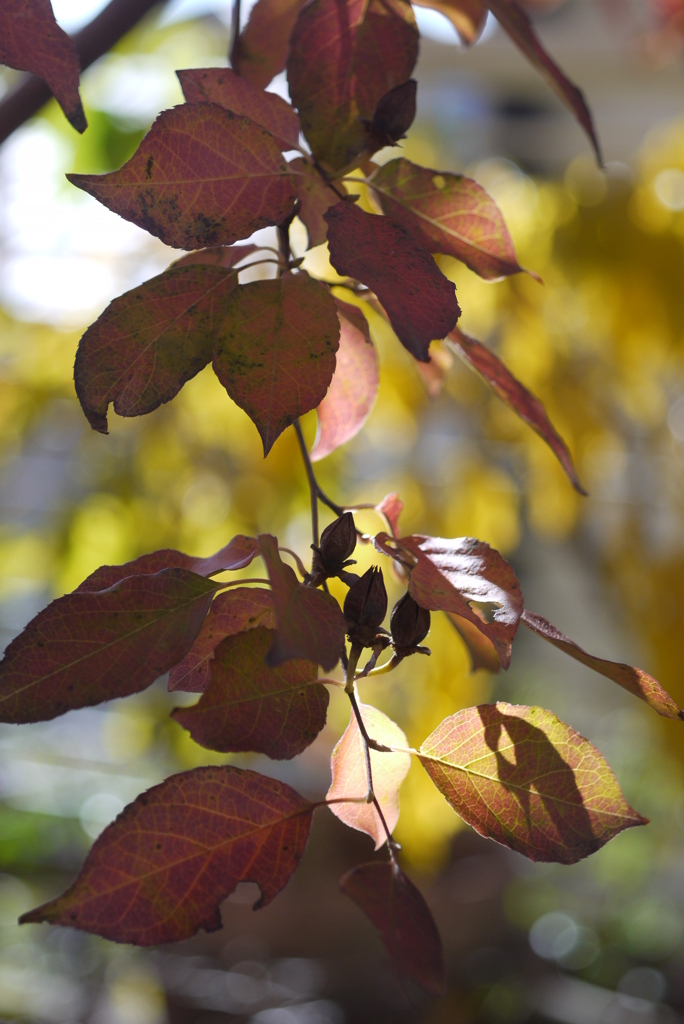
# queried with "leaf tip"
point(77, 119)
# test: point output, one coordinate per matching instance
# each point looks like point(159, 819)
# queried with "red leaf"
point(519, 776)
point(310, 623)
point(419, 300)
point(315, 198)
point(226, 256)
point(349, 774)
point(481, 650)
point(160, 872)
point(514, 20)
point(635, 680)
point(250, 706)
point(396, 908)
point(337, 76)
point(516, 396)
point(464, 576)
point(260, 51)
point(31, 40)
point(277, 334)
point(391, 508)
point(467, 16)
point(448, 213)
point(235, 555)
point(231, 612)
point(223, 86)
point(148, 342)
point(352, 391)
point(88, 647)
point(201, 176)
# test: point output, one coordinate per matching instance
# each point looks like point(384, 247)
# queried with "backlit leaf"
point(315, 198)
point(391, 508)
point(635, 680)
point(516, 22)
point(275, 351)
point(481, 650)
point(202, 176)
point(235, 555)
point(250, 706)
point(448, 213)
point(396, 908)
point(352, 391)
point(519, 776)
point(231, 612)
point(419, 300)
point(148, 342)
point(388, 771)
point(516, 396)
point(225, 256)
point(467, 16)
point(223, 86)
point(31, 40)
point(160, 872)
point(260, 51)
point(436, 371)
point(464, 576)
point(88, 647)
point(394, 114)
point(345, 55)
point(310, 624)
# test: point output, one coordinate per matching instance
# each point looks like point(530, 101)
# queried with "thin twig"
point(314, 489)
point(238, 583)
point(300, 565)
point(371, 797)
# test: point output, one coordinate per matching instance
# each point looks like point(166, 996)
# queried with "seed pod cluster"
point(409, 625)
point(365, 607)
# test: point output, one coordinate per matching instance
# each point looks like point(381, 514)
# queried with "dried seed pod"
point(338, 542)
point(366, 602)
point(409, 623)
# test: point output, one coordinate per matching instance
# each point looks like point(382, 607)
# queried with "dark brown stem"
point(235, 26)
point(326, 179)
point(111, 24)
point(371, 798)
point(311, 477)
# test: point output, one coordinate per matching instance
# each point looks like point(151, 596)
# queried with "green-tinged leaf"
point(634, 680)
point(397, 910)
point(345, 55)
point(88, 647)
point(160, 872)
point(202, 176)
point(275, 351)
point(223, 86)
point(232, 612)
point(148, 342)
point(250, 706)
point(516, 396)
point(310, 624)
point(31, 40)
point(418, 299)
point(519, 776)
point(260, 51)
point(236, 555)
point(350, 397)
point(467, 16)
point(448, 213)
point(315, 199)
point(388, 771)
point(464, 576)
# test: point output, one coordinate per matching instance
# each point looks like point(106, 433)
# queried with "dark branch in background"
point(103, 32)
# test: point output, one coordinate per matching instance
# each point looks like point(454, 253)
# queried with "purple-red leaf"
point(481, 650)
point(88, 647)
point(634, 680)
point(251, 706)
point(349, 774)
point(31, 40)
point(394, 114)
point(516, 22)
point(259, 53)
point(352, 391)
point(202, 176)
point(345, 55)
point(464, 576)
point(467, 16)
point(448, 213)
point(160, 872)
point(236, 555)
point(516, 396)
point(310, 624)
point(275, 351)
point(315, 199)
point(419, 300)
point(232, 612)
point(226, 256)
point(148, 342)
point(396, 908)
point(223, 86)
point(523, 778)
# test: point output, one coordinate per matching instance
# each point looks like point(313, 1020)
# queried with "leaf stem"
point(300, 565)
point(313, 483)
point(369, 743)
point(389, 666)
point(239, 583)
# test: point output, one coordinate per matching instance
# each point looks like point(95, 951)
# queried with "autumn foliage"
point(211, 172)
